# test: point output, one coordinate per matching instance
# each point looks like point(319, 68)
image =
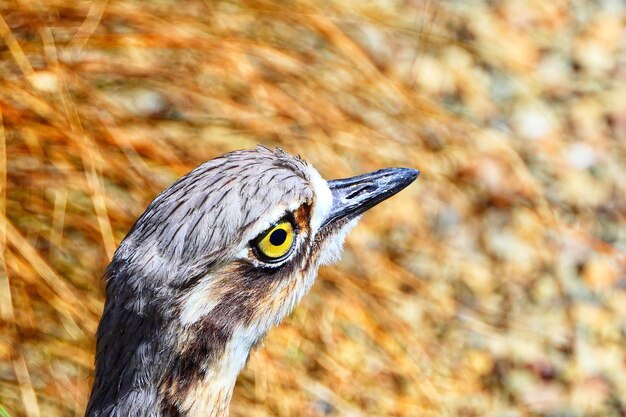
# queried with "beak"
point(353, 196)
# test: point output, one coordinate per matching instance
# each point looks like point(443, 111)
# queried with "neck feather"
point(150, 364)
point(209, 394)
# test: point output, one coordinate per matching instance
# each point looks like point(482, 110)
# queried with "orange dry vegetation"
point(493, 286)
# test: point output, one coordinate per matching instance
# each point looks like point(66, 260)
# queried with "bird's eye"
point(276, 243)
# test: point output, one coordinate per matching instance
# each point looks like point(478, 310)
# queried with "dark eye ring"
point(277, 242)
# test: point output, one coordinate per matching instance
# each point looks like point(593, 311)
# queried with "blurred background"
point(494, 286)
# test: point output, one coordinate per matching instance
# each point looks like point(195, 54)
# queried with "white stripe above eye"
point(323, 202)
point(323, 199)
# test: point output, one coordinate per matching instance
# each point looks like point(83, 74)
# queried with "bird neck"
point(209, 393)
point(148, 364)
point(143, 382)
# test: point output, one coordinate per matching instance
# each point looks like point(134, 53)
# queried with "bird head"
point(220, 257)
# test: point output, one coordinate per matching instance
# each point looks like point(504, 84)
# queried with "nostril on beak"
point(361, 190)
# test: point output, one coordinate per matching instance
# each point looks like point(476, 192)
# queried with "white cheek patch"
point(333, 246)
point(323, 199)
point(199, 302)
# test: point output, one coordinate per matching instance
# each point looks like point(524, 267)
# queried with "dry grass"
point(495, 286)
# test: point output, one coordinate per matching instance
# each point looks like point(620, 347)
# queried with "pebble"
point(580, 156)
point(533, 121)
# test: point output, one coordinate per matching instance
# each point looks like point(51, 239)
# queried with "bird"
point(216, 260)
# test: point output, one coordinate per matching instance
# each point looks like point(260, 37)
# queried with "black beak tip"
point(410, 174)
point(404, 176)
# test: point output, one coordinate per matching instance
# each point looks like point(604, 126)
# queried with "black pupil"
point(278, 237)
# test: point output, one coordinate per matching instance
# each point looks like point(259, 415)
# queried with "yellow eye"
point(276, 243)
